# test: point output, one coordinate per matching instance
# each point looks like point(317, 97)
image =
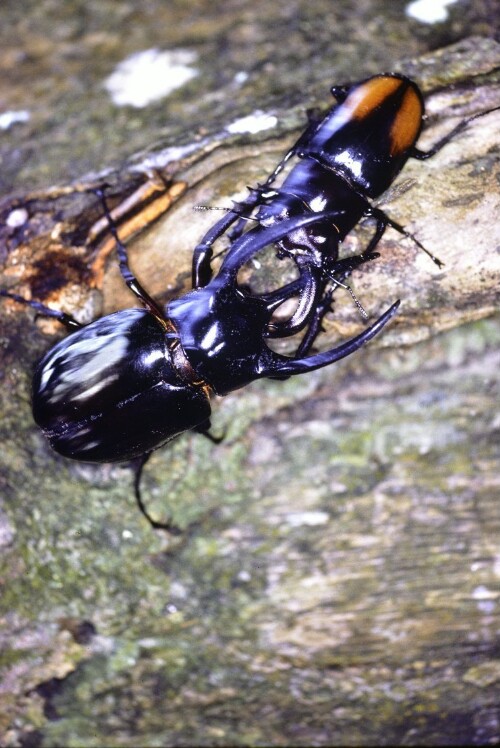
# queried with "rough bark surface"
point(338, 582)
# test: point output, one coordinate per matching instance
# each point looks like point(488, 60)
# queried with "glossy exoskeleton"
point(127, 383)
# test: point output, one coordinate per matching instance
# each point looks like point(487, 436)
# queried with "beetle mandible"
point(127, 383)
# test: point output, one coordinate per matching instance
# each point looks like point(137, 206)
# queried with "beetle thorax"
point(223, 334)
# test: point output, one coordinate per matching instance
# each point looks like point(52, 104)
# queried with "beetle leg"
point(138, 466)
point(308, 285)
point(384, 218)
point(201, 272)
point(422, 155)
point(377, 236)
point(204, 430)
point(281, 165)
point(46, 311)
point(335, 273)
point(346, 267)
point(253, 241)
point(125, 270)
point(314, 119)
point(339, 270)
point(315, 324)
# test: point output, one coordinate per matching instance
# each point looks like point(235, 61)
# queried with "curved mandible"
point(274, 364)
point(308, 289)
point(256, 239)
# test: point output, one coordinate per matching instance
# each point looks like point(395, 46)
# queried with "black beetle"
point(127, 383)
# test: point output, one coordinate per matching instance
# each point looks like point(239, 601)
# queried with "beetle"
point(127, 383)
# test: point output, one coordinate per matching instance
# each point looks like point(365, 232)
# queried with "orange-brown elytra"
point(129, 382)
point(396, 99)
point(407, 123)
point(372, 94)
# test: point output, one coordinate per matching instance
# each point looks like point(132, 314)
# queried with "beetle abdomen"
point(110, 391)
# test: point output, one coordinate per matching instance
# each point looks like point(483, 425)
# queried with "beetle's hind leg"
point(138, 468)
point(384, 218)
point(422, 155)
point(337, 272)
point(43, 310)
point(383, 221)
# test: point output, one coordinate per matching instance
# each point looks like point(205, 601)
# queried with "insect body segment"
point(126, 384)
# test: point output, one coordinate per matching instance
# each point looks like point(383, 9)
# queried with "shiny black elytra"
point(126, 384)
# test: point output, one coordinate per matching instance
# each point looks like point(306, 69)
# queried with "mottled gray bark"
point(338, 580)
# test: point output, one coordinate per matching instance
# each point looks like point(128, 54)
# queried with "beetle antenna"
point(225, 210)
point(352, 294)
point(212, 207)
point(422, 155)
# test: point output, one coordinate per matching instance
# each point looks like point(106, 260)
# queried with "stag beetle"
point(127, 383)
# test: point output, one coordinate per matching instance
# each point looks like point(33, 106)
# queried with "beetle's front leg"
point(201, 271)
point(127, 274)
point(337, 274)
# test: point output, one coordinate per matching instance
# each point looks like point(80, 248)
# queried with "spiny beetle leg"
point(384, 218)
point(201, 271)
point(422, 155)
point(42, 309)
point(125, 270)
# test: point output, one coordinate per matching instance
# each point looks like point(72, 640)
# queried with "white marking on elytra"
point(99, 385)
point(85, 365)
point(153, 357)
point(89, 445)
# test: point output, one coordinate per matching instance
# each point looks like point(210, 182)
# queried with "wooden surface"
point(338, 581)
